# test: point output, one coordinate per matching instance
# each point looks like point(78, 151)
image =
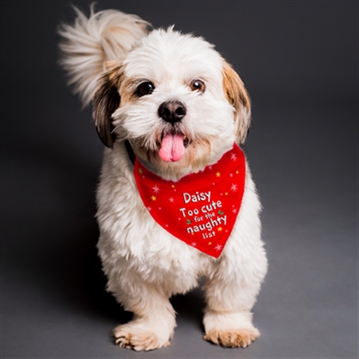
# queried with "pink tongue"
point(172, 148)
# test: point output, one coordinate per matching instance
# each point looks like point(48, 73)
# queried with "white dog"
point(176, 201)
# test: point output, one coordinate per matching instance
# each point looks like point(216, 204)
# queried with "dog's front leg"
point(228, 320)
point(153, 322)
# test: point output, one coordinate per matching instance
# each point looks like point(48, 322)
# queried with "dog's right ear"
point(105, 102)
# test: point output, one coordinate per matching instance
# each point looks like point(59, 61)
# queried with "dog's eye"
point(145, 88)
point(197, 85)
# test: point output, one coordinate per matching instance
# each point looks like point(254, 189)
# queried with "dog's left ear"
point(105, 102)
point(238, 97)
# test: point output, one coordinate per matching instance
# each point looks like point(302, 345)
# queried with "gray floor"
point(300, 65)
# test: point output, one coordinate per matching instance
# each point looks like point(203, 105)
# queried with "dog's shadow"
point(189, 307)
point(57, 257)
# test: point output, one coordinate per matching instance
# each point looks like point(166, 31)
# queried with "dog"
point(176, 200)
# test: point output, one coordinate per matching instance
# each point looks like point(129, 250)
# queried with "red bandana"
point(201, 208)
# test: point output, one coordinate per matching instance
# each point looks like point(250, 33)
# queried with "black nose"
point(172, 111)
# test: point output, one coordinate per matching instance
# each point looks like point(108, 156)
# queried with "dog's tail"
point(90, 42)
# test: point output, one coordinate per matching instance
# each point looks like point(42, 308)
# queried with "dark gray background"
point(299, 62)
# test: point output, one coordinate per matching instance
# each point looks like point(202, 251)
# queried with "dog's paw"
point(137, 338)
point(233, 338)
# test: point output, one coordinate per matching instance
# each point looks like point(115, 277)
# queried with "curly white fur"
point(144, 264)
point(89, 42)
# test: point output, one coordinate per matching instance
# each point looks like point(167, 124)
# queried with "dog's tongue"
point(172, 148)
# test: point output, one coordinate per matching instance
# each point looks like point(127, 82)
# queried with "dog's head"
point(176, 100)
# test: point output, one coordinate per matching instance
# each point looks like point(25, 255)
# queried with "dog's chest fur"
point(132, 239)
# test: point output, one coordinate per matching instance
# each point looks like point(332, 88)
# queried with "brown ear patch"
point(105, 102)
point(238, 97)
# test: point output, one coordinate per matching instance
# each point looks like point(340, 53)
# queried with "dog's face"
point(176, 100)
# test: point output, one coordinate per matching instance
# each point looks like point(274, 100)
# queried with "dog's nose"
point(172, 111)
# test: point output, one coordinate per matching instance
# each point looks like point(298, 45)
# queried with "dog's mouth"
point(173, 146)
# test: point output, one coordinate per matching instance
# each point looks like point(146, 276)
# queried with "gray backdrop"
point(299, 63)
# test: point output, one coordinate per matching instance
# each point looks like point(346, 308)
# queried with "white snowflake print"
point(234, 211)
point(234, 187)
point(156, 189)
point(233, 157)
point(218, 247)
point(210, 167)
point(149, 209)
point(193, 244)
point(171, 200)
point(231, 175)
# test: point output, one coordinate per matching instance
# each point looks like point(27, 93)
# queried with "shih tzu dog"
point(176, 201)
